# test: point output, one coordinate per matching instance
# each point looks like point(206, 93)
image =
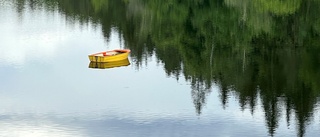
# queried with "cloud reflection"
point(35, 127)
point(36, 37)
point(44, 126)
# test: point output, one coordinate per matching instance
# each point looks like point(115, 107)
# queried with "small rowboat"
point(110, 56)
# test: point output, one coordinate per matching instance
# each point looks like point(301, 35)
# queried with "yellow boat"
point(110, 56)
point(107, 65)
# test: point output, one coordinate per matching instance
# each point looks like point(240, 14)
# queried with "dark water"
point(197, 68)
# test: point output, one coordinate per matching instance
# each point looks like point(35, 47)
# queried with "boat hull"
point(109, 56)
point(108, 65)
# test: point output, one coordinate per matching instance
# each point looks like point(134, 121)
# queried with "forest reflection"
point(255, 50)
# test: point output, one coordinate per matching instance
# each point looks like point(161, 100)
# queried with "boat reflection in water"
point(107, 65)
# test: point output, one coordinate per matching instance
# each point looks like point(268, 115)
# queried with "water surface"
point(227, 73)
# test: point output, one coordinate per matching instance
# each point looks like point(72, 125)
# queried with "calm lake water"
point(224, 68)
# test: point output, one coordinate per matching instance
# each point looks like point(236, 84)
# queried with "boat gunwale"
point(116, 50)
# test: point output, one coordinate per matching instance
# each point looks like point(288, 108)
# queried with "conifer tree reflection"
point(199, 93)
